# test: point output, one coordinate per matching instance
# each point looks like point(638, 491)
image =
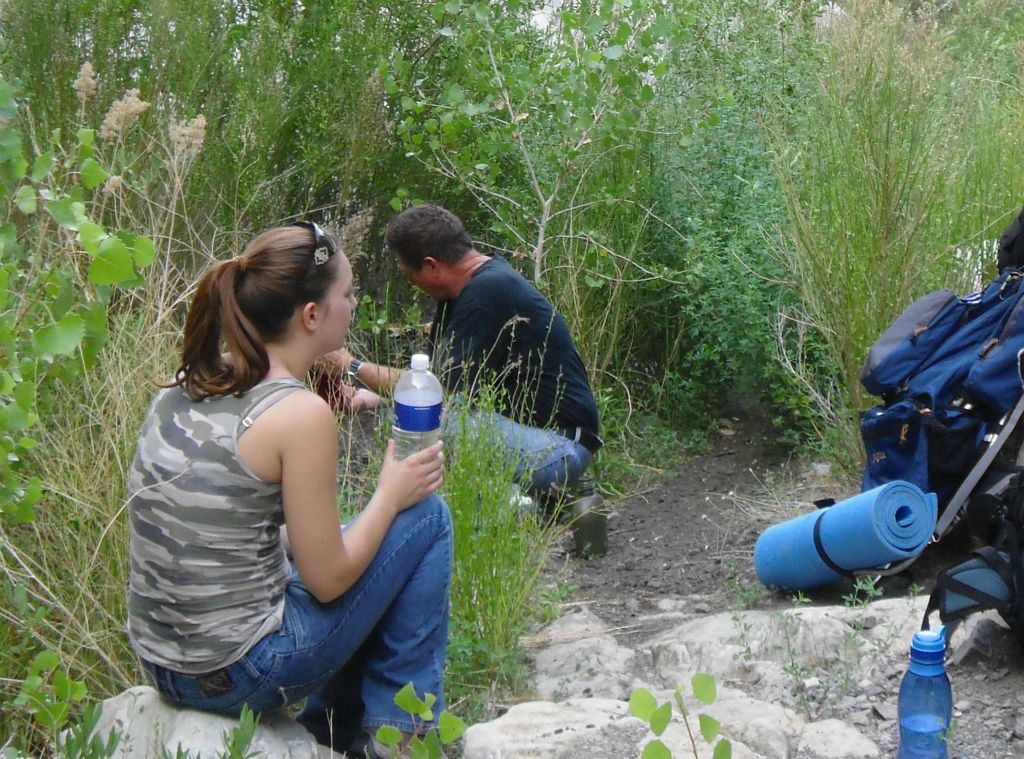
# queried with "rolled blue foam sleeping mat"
point(886, 524)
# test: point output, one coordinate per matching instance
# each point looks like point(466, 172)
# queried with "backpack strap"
point(1008, 543)
point(959, 498)
point(984, 581)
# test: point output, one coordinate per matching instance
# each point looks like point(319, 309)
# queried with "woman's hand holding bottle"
point(404, 482)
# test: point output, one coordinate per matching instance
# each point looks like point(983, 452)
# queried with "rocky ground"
point(675, 595)
point(682, 553)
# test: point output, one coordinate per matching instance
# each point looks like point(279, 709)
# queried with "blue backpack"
point(948, 373)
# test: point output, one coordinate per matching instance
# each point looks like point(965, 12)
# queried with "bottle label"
point(417, 418)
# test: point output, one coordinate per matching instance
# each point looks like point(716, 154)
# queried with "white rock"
point(150, 725)
point(834, 739)
point(816, 637)
point(582, 659)
point(545, 730)
point(768, 728)
point(578, 655)
point(886, 710)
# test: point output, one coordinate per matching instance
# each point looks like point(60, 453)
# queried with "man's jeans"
point(545, 461)
point(352, 655)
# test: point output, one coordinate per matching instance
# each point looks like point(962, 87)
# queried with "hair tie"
point(242, 263)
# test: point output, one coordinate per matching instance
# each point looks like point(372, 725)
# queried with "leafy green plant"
point(503, 114)
point(657, 716)
point(61, 273)
point(50, 331)
point(48, 693)
point(238, 739)
point(80, 740)
point(542, 128)
point(235, 742)
point(421, 745)
point(865, 590)
point(550, 598)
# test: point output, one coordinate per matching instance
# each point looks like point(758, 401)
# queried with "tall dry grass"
point(889, 192)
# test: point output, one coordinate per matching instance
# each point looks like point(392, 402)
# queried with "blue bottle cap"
point(929, 641)
point(928, 648)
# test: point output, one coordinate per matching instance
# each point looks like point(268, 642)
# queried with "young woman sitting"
point(236, 467)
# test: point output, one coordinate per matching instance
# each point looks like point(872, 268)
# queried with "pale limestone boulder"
point(579, 657)
point(767, 728)
point(593, 728)
point(148, 724)
point(725, 644)
point(546, 730)
point(834, 739)
point(750, 650)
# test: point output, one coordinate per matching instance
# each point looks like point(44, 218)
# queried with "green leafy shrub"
point(60, 274)
point(644, 706)
point(421, 745)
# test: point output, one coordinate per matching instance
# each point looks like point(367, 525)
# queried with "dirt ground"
point(694, 535)
point(694, 532)
point(683, 537)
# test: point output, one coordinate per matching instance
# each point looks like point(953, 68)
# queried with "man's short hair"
point(427, 230)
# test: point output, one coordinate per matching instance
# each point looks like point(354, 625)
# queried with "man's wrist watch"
point(353, 367)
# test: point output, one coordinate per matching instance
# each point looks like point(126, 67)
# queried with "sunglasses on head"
point(323, 245)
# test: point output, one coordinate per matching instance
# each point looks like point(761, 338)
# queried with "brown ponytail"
point(243, 303)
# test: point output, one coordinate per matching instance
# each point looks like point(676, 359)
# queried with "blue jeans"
point(352, 655)
point(544, 460)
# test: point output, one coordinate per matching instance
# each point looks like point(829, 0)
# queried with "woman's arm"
point(328, 561)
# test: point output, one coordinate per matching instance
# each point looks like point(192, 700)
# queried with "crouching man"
point(492, 326)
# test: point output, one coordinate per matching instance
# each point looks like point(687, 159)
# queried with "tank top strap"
point(265, 395)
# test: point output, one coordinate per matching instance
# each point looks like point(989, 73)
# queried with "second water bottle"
point(418, 401)
point(925, 701)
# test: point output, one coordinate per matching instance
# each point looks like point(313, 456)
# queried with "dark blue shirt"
point(502, 331)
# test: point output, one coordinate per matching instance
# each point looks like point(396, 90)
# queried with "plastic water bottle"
point(925, 705)
point(418, 398)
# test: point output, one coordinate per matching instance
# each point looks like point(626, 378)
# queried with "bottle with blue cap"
point(418, 399)
point(925, 706)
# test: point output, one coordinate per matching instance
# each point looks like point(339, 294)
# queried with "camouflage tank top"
point(208, 569)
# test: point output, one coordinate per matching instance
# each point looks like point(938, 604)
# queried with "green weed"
point(644, 706)
point(422, 745)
